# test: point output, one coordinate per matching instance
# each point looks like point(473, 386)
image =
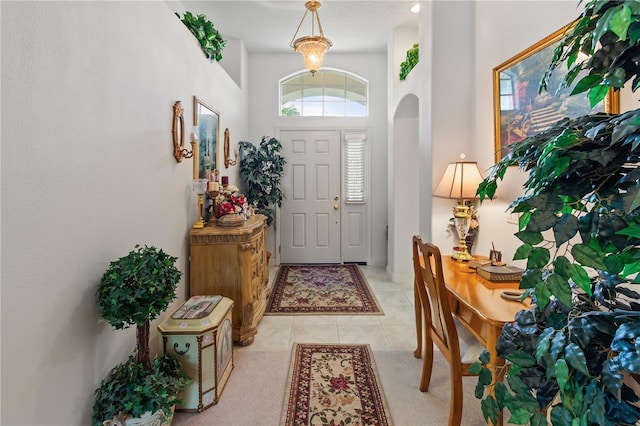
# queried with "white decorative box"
point(199, 333)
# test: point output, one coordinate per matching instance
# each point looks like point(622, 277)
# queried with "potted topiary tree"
point(261, 168)
point(574, 358)
point(134, 290)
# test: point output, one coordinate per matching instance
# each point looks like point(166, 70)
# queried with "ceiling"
point(267, 26)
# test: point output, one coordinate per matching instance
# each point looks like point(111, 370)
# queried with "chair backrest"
point(427, 265)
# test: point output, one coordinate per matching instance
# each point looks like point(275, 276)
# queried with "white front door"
point(310, 213)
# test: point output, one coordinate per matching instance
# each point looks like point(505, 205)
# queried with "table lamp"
point(200, 187)
point(460, 182)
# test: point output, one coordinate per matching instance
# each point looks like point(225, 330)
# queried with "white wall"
point(267, 69)
point(87, 173)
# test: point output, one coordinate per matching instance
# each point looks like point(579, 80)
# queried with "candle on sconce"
point(194, 149)
point(193, 138)
point(225, 181)
point(216, 186)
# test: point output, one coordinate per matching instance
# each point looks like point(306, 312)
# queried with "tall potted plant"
point(133, 291)
point(574, 357)
point(261, 169)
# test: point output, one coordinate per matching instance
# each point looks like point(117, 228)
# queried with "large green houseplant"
point(573, 358)
point(262, 168)
point(133, 291)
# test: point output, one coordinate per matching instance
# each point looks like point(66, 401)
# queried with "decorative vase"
point(157, 418)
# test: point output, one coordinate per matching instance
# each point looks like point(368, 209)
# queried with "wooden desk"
point(477, 303)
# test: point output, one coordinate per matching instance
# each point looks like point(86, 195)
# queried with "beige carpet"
point(254, 395)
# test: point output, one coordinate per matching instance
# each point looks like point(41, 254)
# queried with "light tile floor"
point(395, 330)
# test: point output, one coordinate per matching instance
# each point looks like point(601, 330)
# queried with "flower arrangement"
point(230, 201)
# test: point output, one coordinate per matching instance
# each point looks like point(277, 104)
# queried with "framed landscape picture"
point(207, 121)
point(520, 111)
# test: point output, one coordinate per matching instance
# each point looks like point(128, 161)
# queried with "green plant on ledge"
point(574, 357)
point(203, 30)
point(410, 62)
point(134, 290)
point(261, 168)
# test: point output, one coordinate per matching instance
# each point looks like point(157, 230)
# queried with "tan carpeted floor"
point(254, 394)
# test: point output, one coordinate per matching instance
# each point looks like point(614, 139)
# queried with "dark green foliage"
point(573, 354)
point(261, 168)
point(410, 62)
point(607, 34)
point(137, 287)
point(203, 30)
point(580, 217)
point(130, 389)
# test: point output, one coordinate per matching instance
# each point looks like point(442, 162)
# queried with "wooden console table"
point(232, 262)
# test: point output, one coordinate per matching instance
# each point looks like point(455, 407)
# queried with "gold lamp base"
point(462, 220)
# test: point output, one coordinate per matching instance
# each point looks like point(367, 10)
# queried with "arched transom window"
point(328, 93)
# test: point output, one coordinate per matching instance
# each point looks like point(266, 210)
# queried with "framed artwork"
point(208, 122)
point(520, 111)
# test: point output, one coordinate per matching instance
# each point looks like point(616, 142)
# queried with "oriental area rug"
point(321, 289)
point(331, 384)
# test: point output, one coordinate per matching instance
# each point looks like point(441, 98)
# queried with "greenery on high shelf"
point(410, 62)
point(262, 168)
point(575, 355)
point(133, 291)
point(210, 39)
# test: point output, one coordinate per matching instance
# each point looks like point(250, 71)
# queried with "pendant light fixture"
point(313, 47)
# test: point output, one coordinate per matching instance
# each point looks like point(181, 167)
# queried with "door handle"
point(336, 207)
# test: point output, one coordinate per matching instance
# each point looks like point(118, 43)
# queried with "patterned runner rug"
point(321, 289)
point(334, 385)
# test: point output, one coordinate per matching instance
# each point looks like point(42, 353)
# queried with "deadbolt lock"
point(335, 198)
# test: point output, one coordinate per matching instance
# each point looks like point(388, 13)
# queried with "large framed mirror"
point(207, 120)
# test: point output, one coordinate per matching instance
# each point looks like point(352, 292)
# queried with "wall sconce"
point(227, 151)
point(179, 151)
point(460, 182)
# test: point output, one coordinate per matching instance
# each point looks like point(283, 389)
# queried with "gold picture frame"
point(520, 111)
point(207, 120)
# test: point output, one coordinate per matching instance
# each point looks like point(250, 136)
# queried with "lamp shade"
point(460, 181)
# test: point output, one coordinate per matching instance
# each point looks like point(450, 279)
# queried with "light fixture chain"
point(298, 29)
point(319, 25)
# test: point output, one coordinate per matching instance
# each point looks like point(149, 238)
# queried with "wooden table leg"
point(496, 363)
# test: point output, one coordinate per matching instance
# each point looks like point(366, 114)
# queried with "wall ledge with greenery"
point(574, 357)
point(203, 30)
point(410, 62)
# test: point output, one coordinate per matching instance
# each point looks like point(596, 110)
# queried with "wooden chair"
point(457, 344)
